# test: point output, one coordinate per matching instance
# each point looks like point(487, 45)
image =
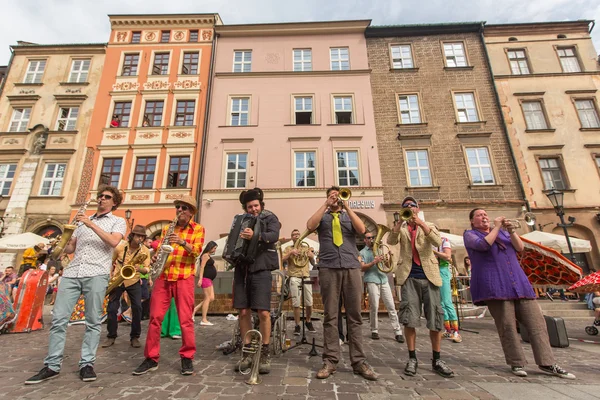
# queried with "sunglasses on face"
point(368, 237)
point(182, 207)
point(413, 205)
point(104, 196)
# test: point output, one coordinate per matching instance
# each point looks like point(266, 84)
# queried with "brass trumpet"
point(406, 214)
point(344, 195)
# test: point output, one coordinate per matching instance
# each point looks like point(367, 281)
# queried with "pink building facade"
point(291, 112)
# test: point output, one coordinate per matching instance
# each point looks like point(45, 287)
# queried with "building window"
point(136, 36)
point(588, 115)
point(239, 111)
point(302, 60)
point(190, 63)
point(552, 173)
point(342, 106)
point(518, 62)
point(347, 167)
point(418, 168)
point(304, 169)
point(340, 59)
point(153, 113)
point(144, 173)
point(534, 115)
point(184, 115)
point(236, 170)
point(67, 118)
point(53, 179)
point(455, 55)
point(79, 71)
point(466, 107)
point(161, 64)
point(402, 57)
point(568, 59)
point(121, 115)
point(193, 36)
point(7, 174)
point(111, 171)
point(242, 61)
point(178, 172)
point(480, 166)
point(19, 120)
point(303, 110)
point(409, 109)
point(35, 70)
point(165, 36)
point(130, 64)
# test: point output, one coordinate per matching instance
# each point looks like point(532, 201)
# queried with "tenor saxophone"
point(163, 252)
point(68, 230)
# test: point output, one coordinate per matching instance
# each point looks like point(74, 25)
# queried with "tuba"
point(382, 250)
point(65, 238)
point(255, 348)
point(301, 260)
point(163, 252)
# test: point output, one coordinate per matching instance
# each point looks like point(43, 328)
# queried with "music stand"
point(456, 307)
point(313, 350)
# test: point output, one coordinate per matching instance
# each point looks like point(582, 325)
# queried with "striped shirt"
point(181, 264)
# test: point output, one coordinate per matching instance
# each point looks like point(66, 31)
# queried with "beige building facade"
point(547, 76)
point(45, 111)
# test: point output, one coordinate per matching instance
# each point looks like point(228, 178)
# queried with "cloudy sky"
point(79, 21)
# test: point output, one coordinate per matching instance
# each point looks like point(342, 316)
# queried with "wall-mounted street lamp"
point(130, 221)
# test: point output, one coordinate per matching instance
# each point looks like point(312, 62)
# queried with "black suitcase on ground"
point(557, 332)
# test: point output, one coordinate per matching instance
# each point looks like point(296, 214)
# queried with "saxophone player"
point(92, 243)
point(131, 252)
point(175, 281)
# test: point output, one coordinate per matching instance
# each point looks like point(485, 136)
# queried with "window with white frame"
point(342, 107)
point(67, 118)
point(568, 59)
point(236, 170)
point(455, 54)
point(518, 62)
point(534, 115)
point(303, 110)
point(340, 58)
point(7, 174)
point(79, 71)
point(347, 168)
point(52, 181)
point(161, 64)
point(418, 168)
point(242, 61)
point(305, 169)
point(19, 120)
point(588, 115)
point(552, 173)
point(302, 60)
point(402, 56)
point(466, 107)
point(35, 70)
point(409, 109)
point(480, 166)
point(145, 168)
point(239, 111)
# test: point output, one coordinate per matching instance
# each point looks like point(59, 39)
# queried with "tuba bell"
point(301, 259)
point(382, 250)
point(255, 348)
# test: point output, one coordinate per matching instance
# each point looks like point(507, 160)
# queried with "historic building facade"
point(439, 127)
point(547, 76)
point(45, 112)
point(292, 113)
point(149, 115)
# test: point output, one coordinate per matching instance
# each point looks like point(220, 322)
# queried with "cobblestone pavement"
point(478, 363)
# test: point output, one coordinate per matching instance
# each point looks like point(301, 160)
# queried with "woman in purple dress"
point(498, 281)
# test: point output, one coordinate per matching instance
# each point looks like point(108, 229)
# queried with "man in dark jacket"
point(252, 281)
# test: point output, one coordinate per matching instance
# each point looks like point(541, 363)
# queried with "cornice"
point(66, 49)
point(537, 28)
point(290, 73)
point(294, 28)
point(163, 20)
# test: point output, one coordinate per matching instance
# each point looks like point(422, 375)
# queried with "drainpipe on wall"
point(12, 55)
point(504, 127)
point(205, 128)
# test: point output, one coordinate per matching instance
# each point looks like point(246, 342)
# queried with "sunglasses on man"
point(182, 207)
point(368, 237)
point(406, 205)
point(104, 196)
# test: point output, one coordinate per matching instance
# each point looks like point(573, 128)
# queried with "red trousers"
point(163, 291)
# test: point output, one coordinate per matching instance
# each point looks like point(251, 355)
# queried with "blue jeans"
point(69, 290)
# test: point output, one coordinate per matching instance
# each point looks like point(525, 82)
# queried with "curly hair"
point(117, 197)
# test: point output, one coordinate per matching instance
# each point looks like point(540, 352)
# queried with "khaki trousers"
point(506, 314)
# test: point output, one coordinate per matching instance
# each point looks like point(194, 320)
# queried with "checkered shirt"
point(181, 264)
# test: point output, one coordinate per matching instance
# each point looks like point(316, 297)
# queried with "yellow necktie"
point(337, 229)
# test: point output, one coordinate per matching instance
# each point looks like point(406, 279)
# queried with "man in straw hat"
point(131, 252)
point(176, 281)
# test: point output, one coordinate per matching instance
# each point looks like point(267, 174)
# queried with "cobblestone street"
point(478, 364)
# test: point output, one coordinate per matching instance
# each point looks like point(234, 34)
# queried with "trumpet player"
point(92, 243)
point(419, 274)
point(131, 252)
point(176, 281)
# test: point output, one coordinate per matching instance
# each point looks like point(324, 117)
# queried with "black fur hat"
point(252, 194)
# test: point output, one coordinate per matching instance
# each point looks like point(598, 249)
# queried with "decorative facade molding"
point(157, 85)
point(125, 86)
point(187, 84)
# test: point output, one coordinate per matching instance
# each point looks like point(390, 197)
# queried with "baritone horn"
point(302, 258)
point(382, 250)
point(254, 348)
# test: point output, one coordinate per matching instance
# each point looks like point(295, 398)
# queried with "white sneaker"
point(193, 318)
point(556, 370)
point(176, 337)
point(518, 371)
point(206, 323)
point(341, 342)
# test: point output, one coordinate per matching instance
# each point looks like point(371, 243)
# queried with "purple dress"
point(495, 271)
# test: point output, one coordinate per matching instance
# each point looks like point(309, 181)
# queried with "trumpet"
point(406, 214)
point(344, 195)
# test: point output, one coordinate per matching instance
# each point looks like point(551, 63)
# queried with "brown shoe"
point(366, 371)
point(135, 342)
point(109, 342)
point(326, 371)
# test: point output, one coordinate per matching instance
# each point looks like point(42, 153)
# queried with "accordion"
point(238, 250)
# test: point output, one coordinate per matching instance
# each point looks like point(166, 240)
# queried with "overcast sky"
point(85, 21)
